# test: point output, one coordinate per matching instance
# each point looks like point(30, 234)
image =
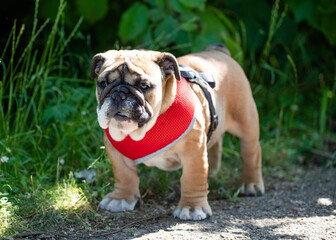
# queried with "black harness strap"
point(203, 80)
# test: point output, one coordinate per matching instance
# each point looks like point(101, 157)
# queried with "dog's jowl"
point(171, 113)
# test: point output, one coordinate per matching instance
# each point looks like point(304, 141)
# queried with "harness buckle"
point(190, 75)
point(214, 123)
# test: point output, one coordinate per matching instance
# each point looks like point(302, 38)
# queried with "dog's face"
point(133, 88)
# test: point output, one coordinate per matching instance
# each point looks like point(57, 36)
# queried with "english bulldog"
point(151, 115)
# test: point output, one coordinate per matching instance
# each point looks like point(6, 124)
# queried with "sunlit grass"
point(8, 216)
point(65, 203)
point(68, 197)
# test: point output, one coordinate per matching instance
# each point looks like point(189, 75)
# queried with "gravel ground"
point(304, 208)
point(301, 208)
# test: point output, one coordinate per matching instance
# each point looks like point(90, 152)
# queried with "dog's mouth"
point(121, 117)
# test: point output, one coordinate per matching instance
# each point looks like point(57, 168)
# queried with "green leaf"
point(147, 38)
point(177, 6)
point(203, 40)
point(328, 27)
point(155, 15)
point(210, 22)
point(189, 26)
point(166, 32)
point(189, 21)
point(212, 25)
point(235, 50)
point(160, 3)
point(304, 11)
point(133, 22)
point(92, 11)
point(225, 20)
point(183, 39)
point(198, 4)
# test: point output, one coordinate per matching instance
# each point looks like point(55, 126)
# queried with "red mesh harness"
point(169, 128)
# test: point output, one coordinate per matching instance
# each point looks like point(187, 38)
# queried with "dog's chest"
point(168, 161)
point(170, 127)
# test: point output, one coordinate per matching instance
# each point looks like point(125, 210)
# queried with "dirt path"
point(304, 208)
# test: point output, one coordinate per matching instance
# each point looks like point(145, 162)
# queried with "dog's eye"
point(103, 84)
point(144, 85)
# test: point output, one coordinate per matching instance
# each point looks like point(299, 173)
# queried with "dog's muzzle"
point(119, 92)
point(127, 102)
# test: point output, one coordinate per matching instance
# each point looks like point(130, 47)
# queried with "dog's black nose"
point(118, 96)
point(119, 93)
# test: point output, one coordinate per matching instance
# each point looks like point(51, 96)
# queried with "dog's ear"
point(169, 65)
point(96, 64)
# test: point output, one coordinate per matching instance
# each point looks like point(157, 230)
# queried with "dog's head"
point(133, 88)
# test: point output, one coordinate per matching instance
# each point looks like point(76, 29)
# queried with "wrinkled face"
point(130, 89)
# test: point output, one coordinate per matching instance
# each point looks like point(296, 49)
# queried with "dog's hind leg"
point(245, 125)
point(252, 181)
point(250, 151)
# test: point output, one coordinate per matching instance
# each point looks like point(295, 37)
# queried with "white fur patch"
point(120, 129)
point(114, 205)
point(185, 214)
point(198, 214)
point(103, 120)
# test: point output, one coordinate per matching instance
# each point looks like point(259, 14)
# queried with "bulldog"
point(151, 115)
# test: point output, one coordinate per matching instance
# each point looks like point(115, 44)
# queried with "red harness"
point(170, 127)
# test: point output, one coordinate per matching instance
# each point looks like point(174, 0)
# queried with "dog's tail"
point(219, 47)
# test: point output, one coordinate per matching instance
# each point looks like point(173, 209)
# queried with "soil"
point(301, 207)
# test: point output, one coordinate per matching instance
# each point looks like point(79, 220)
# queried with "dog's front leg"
point(194, 204)
point(126, 187)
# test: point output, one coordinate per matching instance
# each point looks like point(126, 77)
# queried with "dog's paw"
point(252, 189)
point(196, 214)
point(115, 205)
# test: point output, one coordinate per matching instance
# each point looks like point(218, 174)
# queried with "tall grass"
point(45, 105)
point(295, 105)
point(45, 114)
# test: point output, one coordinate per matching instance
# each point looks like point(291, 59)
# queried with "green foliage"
point(42, 98)
point(197, 4)
point(134, 22)
point(190, 25)
point(320, 15)
point(92, 11)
